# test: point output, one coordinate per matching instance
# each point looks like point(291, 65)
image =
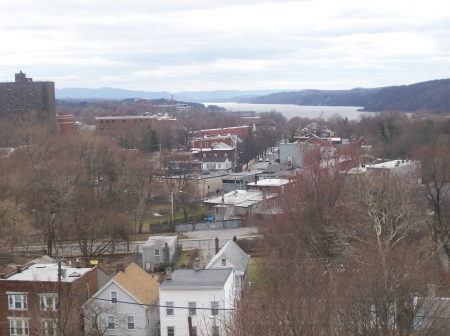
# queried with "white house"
point(232, 256)
point(157, 250)
point(206, 295)
point(126, 305)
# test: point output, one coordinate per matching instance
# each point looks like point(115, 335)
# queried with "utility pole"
point(171, 197)
point(191, 332)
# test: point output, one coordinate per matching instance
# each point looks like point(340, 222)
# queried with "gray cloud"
point(180, 45)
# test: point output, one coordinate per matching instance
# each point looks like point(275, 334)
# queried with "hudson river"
point(290, 111)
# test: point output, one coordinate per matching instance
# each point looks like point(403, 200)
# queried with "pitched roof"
point(200, 279)
point(234, 253)
point(160, 241)
point(139, 283)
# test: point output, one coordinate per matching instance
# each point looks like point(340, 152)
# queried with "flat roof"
point(126, 117)
point(203, 278)
point(226, 128)
point(240, 198)
point(391, 164)
point(48, 272)
point(269, 182)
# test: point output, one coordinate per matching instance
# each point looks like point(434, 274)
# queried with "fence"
point(218, 225)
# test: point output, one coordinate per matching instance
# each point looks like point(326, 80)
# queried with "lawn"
point(253, 269)
point(165, 219)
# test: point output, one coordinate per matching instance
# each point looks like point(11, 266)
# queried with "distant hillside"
point(431, 95)
point(119, 94)
point(354, 97)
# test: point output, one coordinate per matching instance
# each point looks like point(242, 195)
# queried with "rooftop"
point(234, 253)
point(139, 283)
point(392, 164)
point(241, 198)
point(48, 272)
point(126, 117)
point(204, 278)
point(160, 241)
point(269, 182)
point(226, 128)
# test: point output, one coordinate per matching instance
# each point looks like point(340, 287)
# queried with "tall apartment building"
point(23, 95)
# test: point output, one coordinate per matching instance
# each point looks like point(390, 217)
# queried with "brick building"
point(239, 131)
point(220, 151)
point(65, 123)
point(34, 300)
point(23, 95)
point(114, 125)
point(211, 141)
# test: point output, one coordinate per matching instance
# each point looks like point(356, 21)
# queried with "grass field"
point(253, 270)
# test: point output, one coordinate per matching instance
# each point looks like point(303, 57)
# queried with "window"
point(170, 331)
point(113, 121)
point(113, 297)
point(237, 281)
point(107, 121)
point(101, 121)
point(18, 301)
point(48, 301)
point(206, 144)
point(224, 262)
point(48, 327)
point(169, 308)
point(214, 308)
point(156, 253)
point(215, 331)
point(124, 121)
point(18, 327)
point(192, 308)
point(111, 324)
point(194, 331)
point(130, 322)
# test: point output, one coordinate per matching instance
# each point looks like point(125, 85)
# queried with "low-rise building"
point(232, 256)
point(238, 181)
point(239, 131)
point(205, 295)
point(126, 305)
point(239, 203)
point(158, 250)
point(44, 299)
point(272, 185)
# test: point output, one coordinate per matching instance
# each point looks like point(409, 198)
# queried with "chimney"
point(217, 244)
point(167, 252)
point(168, 273)
point(120, 267)
point(19, 268)
point(264, 195)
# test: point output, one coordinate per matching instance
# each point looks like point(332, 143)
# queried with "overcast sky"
point(193, 45)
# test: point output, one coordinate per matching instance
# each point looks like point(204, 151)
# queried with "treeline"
point(430, 95)
point(81, 188)
point(355, 254)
